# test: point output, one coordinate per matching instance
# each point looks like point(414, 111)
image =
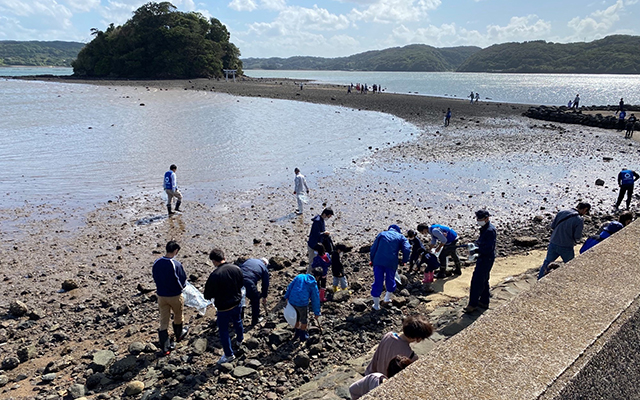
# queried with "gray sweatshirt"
point(567, 231)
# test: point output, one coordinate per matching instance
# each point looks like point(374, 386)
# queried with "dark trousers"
point(449, 250)
point(224, 319)
point(628, 189)
point(479, 291)
point(254, 296)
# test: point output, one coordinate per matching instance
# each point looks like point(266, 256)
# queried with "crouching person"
point(300, 292)
point(372, 381)
point(170, 279)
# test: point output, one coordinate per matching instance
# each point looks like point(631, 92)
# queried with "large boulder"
point(102, 360)
point(280, 336)
point(526, 241)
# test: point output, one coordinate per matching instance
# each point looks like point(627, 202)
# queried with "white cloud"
point(276, 5)
point(83, 5)
point(519, 29)
point(598, 24)
point(39, 15)
point(388, 11)
point(243, 5)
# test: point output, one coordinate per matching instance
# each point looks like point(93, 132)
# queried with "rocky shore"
point(79, 320)
point(589, 116)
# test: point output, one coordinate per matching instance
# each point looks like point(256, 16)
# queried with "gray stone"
point(136, 347)
point(150, 348)
point(122, 366)
point(399, 301)
point(76, 391)
point(200, 346)
point(95, 380)
point(133, 388)
point(18, 308)
point(102, 360)
point(302, 360)
point(3, 380)
point(36, 314)
point(599, 182)
point(69, 284)
point(526, 241)
point(252, 343)
point(10, 363)
point(253, 363)
point(278, 263)
point(316, 349)
point(58, 365)
point(49, 377)
point(360, 305)
point(341, 296)
point(278, 337)
point(226, 367)
point(245, 372)
point(26, 353)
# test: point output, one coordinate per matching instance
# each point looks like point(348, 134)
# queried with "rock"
point(315, 349)
point(136, 348)
point(525, 241)
point(607, 158)
point(10, 363)
point(69, 285)
point(355, 286)
point(364, 249)
point(76, 391)
point(123, 309)
point(95, 380)
point(278, 337)
point(252, 343)
point(3, 380)
point(58, 365)
point(224, 378)
point(538, 218)
point(150, 348)
point(599, 182)
point(200, 346)
point(226, 367)
point(18, 308)
point(133, 388)
point(26, 353)
point(36, 314)
point(257, 241)
point(405, 293)
point(279, 263)
point(360, 305)
point(302, 360)
point(244, 372)
point(120, 367)
point(341, 296)
point(272, 396)
point(399, 302)
point(253, 363)
point(102, 360)
point(50, 377)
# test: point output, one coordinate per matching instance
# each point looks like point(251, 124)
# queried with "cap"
point(265, 261)
point(482, 214)
point(395, 228)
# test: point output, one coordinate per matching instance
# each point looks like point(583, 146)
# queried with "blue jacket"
point(607, 230)
point(170, 180)
point(487, 242)
point(441, 233)
point(169, 276)
point(316, 231)
point(302, 290)
point(254, 270)
point(385, 249)
point(319, 262)
point(627, 177)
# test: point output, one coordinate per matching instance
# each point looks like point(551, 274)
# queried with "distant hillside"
point(59, 54)
point(618, 54)
point(415, 57)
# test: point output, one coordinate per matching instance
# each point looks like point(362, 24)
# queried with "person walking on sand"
point(170, 280)
point(447, 117)
point(479, 290)
point(299, 189)
point(171, 188)
point(626, 180)
point(384, 259)
point(567, 231)
point(576, 102)
point(253, 271)
point(631, 125)
point(225, 287)
point(318, 230)
point(472, 96)
point(445, 241)
point(477, 96)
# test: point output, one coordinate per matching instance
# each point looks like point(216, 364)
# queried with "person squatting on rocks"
point(415, 328)
point(419, 256)
point(337, 269)
point(486, 243)
point(631, 126)
point(567, 231)
point(171, 188)
point(607, 230)
point(372, 381)
point(170, 279)
point(384, 258)
point(253, 271)
point(300, 292)
point(318, 230)
point(626, 180)
point(322, 261)
point(225, 287)
point(445, 241)
point(299, 189)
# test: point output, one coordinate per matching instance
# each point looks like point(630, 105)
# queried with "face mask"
point(481, 223)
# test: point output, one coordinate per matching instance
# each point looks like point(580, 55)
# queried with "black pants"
point(254, 296)
point(628, 189)
point(449, 250)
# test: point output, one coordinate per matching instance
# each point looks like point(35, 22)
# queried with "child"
point(300, 292)
point(322, 260)
point(414, 330)
point(372, 381)
point(417, 250)
point(337, 269)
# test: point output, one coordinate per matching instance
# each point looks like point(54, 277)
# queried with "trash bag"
point(290, 315)
point(194, 298)
point(303, 198)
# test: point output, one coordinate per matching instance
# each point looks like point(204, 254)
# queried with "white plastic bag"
point(243, 301)
point(290, 315)
point(398, 278)
point(194, 298)
point(304, 198)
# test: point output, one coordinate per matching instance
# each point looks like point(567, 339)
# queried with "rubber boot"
point(178, 205)
point(165, 343)
point(387, 297)
point(169, 209)
point(323, 292)
point(425, 278)
point(335, 289)
point(376, 303)
point(180, 331)
point(304, 335)
point(297, 335)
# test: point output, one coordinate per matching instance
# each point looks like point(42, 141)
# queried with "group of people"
point(473, 97)
point(628, 123)
point(575, 103)
point(364, 88)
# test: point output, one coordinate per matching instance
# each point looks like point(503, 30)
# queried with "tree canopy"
point(159, 42)
point(34, 53)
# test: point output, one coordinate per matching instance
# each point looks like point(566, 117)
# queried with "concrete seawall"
point(572, 335)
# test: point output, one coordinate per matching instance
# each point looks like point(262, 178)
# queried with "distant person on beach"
point(479, 289)
point(171, 188)
point(375, 88)
point(322, 261)
point(170, 279)
point(349, 89)
point(415, 329)
point(253, 271)
point(302, 292)
point(626, 181)
point(384, 259)
point(576, 102)
point(224, 286)
point(472, 96)
point(299, 189)
point(620, 106)
point(631, 125)
point(318, 230)
point(567, 231)
point(443, 240)
point(369, 382)
point(477, 97)
point(607, 230)
point(569, 104)
point(447, 117)
point(301, 86)
point(621, 122)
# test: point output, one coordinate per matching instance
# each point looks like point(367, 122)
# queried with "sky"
point(336, 28)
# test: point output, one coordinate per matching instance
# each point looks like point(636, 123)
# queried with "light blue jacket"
point(302, 290)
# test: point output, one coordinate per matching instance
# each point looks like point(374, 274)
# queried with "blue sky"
point(333, 28)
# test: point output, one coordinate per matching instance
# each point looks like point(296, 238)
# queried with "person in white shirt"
point(300, 187)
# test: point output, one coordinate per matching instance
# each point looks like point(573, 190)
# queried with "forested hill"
point(58, 54)
point(415, 57)
point(618, 54)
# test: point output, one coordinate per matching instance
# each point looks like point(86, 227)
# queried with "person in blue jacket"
point(253, 271)
point(301, 292)
point(170, 279)
point(444, 240)
point(607, 230)
point(171, 188)
point(384, 258)
point(318, 230)
point(626, 179)
point(479, 290)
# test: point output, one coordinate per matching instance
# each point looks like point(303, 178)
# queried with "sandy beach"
point(109, 251)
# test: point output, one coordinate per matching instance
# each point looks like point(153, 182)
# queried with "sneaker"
point(483, 305)
point(469, 309)
point(457, 271)
point(298, 213)
point(225, 359)
point(441, 275)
